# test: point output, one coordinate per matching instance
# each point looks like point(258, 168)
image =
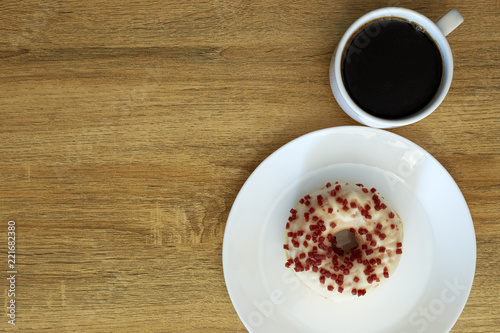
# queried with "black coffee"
point(392, 68)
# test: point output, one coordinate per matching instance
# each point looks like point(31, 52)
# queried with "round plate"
point(431, 285)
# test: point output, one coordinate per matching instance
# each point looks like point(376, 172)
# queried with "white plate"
point(430, 287)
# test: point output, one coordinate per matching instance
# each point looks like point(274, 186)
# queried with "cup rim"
point(433, 31)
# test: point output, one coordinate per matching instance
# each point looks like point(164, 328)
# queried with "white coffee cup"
point(437, 31)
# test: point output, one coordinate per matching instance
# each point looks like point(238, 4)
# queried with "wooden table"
point(128, 127)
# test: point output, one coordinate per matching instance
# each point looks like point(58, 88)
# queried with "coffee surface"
point(392, 68)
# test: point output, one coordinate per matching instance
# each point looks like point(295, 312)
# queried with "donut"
point(343, 240)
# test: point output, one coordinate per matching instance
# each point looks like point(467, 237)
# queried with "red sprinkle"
point(285, 246)
point(302, 255)
point(399, 251)
point(356, 279)
point(328, 184)
point(298, 267)
point(354, 291)
point(333, 225)
point(391, 215)
point(341, 290)
point(330, 210)
point(338, 187)
point(381, 249)
point(379, 226)
point(330, 288)
point(365, 190)
point(399, 244)
point(362, 231)
point(353, 204)
point(322, 279)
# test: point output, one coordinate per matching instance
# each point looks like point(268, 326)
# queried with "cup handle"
point(450, 21)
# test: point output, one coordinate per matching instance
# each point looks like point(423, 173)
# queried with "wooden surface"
point(128, 127)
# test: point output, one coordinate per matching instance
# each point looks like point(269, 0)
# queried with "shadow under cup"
point(392, 68)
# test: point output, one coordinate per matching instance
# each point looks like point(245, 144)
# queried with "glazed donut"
point(313, 247)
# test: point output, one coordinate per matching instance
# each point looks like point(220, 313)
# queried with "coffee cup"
point(393, 66)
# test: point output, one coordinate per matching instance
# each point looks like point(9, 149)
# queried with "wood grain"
point(128, 128)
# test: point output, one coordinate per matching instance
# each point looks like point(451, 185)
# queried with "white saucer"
point(430, 287)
